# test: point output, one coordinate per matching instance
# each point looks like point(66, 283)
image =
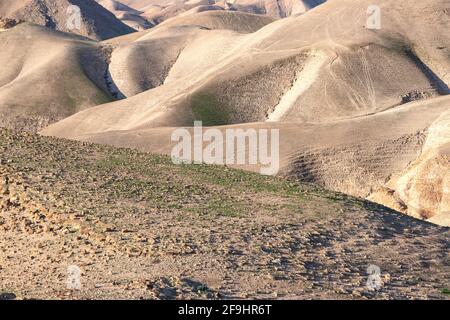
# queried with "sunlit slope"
point(337, 69)
point(47, 76)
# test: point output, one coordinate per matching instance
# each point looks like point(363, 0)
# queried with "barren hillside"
point(143, 14)
point(318, 70)
point(96, 22)
point(48, 75)
point(127, 15)
point(139, 226)
point(357, 91)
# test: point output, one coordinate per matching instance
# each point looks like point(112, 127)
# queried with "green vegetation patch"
point(222, 207)
point(208, 109)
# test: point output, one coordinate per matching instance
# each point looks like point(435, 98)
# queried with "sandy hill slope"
point(139, 226)
point(79, 73)
point(126, 14)
point(335, 75)
point(144, 62)
point(160, 10)
point(340, 63)
point(47, 76)
point(96, 21)
point(275, 8)
point(219, 19)
point(157, 11)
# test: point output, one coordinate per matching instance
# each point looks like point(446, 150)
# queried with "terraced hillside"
point(139, 226)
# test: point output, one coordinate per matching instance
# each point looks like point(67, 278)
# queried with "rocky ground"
point(140, 227)
point(6, 23)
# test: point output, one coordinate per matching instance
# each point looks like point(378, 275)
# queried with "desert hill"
point(368, 103)
point(80, 73)
point(301, 70)
point(143, 14)
point(274, 8)
point(279, 73)
point(48, 75)
point(145, 62)
point(362, 108)
point(140, 227)
point(126, 14)
point(96, 22)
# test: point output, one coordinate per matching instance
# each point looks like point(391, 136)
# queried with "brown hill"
point(96, 22)
point(269, 75)
point(126, 14)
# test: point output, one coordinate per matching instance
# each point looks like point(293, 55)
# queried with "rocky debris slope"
point(6, 23)
point(139, 226)
point(423, 188)
point(84, 17)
